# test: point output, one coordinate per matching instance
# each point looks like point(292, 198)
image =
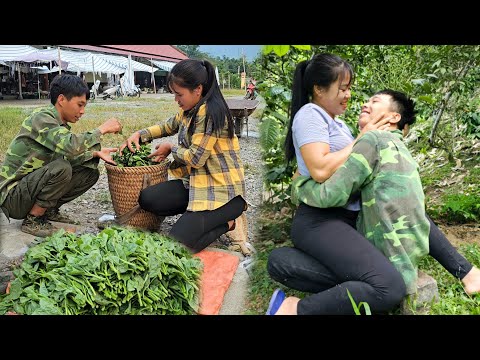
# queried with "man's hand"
point(297, 174)
point(111, 126)
point(161, 152)
point(134, 138)
point(104, 154)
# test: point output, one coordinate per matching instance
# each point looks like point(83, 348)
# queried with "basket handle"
point(125, 217)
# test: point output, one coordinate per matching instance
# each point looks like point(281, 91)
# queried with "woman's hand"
point(161, 152)
point(379, 122)
point(134, 138)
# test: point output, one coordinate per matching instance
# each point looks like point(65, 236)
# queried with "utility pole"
point(243, 84)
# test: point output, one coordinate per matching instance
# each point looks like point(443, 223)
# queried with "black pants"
point(194, 229)
point(330, 256)
point(52, 185)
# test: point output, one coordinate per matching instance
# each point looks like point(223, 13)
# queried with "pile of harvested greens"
point(118, 271)
point(138, 158)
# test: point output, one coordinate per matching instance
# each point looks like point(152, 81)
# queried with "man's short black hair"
point(402, 104)
point(69, 86)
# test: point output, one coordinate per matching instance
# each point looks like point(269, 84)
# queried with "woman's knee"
point(276, 263)
point(182, 237)
point(394, 290)
point(146, 200)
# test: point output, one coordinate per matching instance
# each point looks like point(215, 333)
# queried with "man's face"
point(73, 109)
point(376, 105)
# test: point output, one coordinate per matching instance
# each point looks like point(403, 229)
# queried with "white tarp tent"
point(27, 53)
point(12, 55)
point(164, 65)
point(12, 52)
point(85, 62)
point(127, 82)
point(124, 63)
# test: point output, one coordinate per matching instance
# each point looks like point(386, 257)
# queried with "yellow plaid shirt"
point(208, 163)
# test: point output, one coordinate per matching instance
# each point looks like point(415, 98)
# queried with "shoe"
point(275, 302)
point(239, 236)
point(38, 226)
point(53, 214)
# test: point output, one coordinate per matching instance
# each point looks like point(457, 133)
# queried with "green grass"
point(233, 92)
point(133, 113)
point(10, 121)
point(453, 299)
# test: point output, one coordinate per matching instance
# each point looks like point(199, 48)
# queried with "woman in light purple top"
point(329, 256)
point(312, 124)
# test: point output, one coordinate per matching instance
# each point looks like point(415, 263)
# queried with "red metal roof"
point(157, 52)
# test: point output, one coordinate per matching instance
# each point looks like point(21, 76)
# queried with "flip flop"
point(275, 302)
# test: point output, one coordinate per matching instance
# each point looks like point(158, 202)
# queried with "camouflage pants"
point(50, 186)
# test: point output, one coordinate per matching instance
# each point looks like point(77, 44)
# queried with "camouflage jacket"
point(44, 138)
point(392, 216)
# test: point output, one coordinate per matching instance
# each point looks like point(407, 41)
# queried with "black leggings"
point(330, 255)
point(194, 229)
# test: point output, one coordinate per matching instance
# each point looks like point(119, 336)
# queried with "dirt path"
point(461, 234)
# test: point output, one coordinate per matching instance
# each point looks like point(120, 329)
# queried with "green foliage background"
point(442, 79)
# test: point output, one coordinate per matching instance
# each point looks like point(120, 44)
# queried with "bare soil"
point(461, 234)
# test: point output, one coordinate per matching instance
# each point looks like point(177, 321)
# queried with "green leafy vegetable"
point(118, 271)
point(137, 158)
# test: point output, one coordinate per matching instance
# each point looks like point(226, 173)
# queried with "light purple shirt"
point(313, 124)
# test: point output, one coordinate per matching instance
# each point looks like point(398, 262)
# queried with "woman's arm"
point(321, 163)
point(169, 127)
point(201, 147)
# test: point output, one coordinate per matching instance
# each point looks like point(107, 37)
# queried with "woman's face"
point(185, 97)
point(334, 99)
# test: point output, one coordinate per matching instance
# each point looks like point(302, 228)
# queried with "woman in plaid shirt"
point(209, 185)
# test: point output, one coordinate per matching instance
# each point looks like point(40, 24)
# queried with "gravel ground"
point(96, 202)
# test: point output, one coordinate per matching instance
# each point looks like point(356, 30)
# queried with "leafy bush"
point(118, 271)
point(459, 208)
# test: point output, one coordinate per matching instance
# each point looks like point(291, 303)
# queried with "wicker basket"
point(125, 184)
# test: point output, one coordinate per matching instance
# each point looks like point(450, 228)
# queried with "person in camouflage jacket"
point(47, 165)
point(380, 167)
point(393, 212)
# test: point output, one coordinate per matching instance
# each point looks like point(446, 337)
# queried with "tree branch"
point(447, 97)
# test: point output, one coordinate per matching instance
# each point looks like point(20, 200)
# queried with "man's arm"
point(46, 131)
point(348, 179)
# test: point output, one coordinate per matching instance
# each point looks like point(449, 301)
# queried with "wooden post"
point(20, 97)
point(93, 68)
point(59, 62)
point(153, 75)
point(243, 58)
